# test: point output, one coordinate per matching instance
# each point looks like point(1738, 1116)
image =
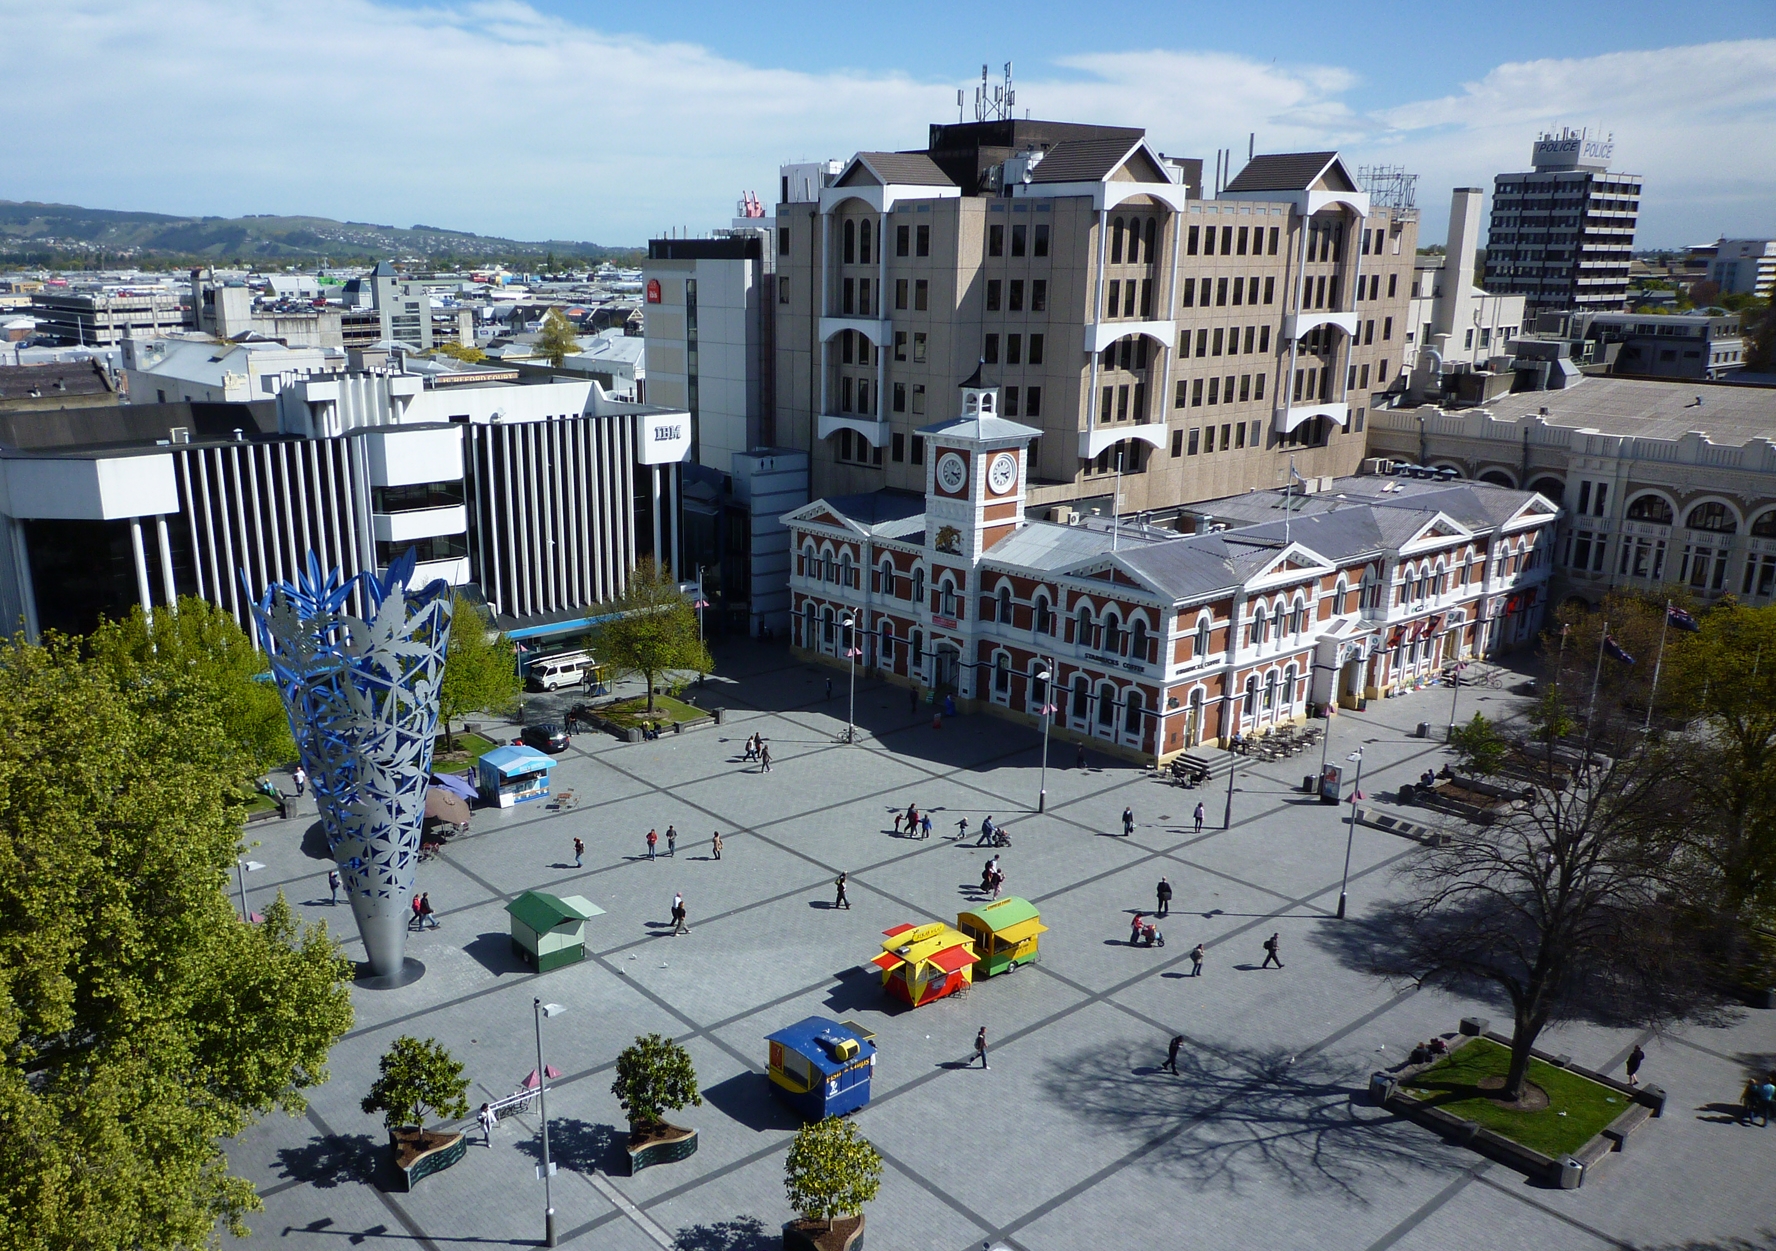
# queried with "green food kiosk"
point(549, 931)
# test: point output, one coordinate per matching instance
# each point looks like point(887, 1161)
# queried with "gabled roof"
point(913, 169)
point(983, 429)
point(1290, 171)
point(542, 912)
point(1095, 160)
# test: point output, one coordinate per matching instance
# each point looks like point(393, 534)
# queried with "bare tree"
point(1564, 903)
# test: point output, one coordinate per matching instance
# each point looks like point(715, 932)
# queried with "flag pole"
point(1659, 660)
point(1597, 677)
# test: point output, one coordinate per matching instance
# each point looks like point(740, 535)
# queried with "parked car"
point(545, 736)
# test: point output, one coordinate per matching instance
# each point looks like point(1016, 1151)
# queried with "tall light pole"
point(540, 1010)
point(1227, 816)
point(1351, 834)
point(851, 650)
point(241, 869)
point(1046, 677)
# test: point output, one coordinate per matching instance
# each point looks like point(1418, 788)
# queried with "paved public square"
point(1073, 1138)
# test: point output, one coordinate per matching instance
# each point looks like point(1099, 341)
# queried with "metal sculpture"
point(362, 696)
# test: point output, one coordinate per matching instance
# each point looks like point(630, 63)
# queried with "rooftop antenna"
point(994, 103)
point(959, 95)
point(1251, 146)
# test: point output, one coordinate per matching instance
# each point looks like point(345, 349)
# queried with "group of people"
point(422, 913)
point(918, 824)
point(992, 878)
point(757, 749)
point(653, 841)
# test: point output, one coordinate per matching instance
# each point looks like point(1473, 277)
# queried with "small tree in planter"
point(654, 1076)
point(419, 1080)
point(832, 1171)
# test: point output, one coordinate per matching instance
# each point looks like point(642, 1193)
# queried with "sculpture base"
point(411, 971)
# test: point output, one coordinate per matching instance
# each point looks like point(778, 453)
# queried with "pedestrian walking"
point(925, 825)
point(764, 759)
point(980, 1048)
point(715, 845)
point(1164, 893)
point(987, 831)
point(653, 840)
point(333, 885)
point(1172, 1054)
point(998, 880)
point(1270, 952)
point(300, 777)
point(829, 688)
point(1200, 813)
point(413, 922)
point(1635, 1058)
point(839, 901)
point(672, 841)
point(426, 915)
point(579, 853)
point(677, 902)
point(1079, 755)
point(912, 818)
point(898, 814)
point(488, 1121)
point(962, 829)
point(678, 919)
point(1196, 960)
point(1128, 822)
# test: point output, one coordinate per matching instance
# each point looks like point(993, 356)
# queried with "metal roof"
point(982, 429)
point(542, 912)
point(803, 1039)
point(1003, 913)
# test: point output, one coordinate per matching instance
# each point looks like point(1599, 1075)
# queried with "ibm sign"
point(665, 438)
point(1573, 151)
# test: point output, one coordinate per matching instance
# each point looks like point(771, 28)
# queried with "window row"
point(1135, 233)
point(1130, 456)
point(1193, 393)
point(1216, 292)
point(1014, 349)
point(1022, 238)
point(1224, 340)
point(1201, 439)
point(1372, 282)
point(1013, 291)
point(1233, 241)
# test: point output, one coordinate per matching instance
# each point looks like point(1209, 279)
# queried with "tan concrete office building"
point(1199, 345)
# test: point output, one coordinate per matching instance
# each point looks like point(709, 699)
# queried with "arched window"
point(1714, 516)
point(918, 649)
point(1553, 488)
point(1203, 626)
point(826, 627)
point(1004, 604)
point(1106, 704)
point(1650, 508)
point(887, 587)
point(1112, 633)
point(1765, 526)
point(1338, 593)
point(1138, 640)
point(1002, 676)
point(1134, 252)
point(807, 623)
point(810, 562)
point(1081, 698)
point(1259, 627)
point(1082, 630)
point(863, 243)
point(1441, 584)
point(1131, 716)
point(946, 598)
point(885, 650)
point(1289, 688)
point(1042, 620)
point(1152, 229)
point(1297, 617)
point(1194, 723)
point(850, 241)
point(826, 566)
point(1270, 691)
point(846, 570)
point(1038, 688)
point(919, 584)
point(1116, 242)
point(1251, 709)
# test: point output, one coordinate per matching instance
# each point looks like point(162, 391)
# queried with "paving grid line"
point(934, 775)
point(387, 1200)
point(1516, 1192)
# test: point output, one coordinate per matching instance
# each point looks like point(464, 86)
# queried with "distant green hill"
point(48, 231)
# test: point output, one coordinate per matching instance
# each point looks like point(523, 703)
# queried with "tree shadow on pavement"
point(333, 1160)
point(743, 1233)
point(1240, 1119)
point(582, 1146)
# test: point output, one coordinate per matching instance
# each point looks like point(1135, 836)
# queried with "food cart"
point(549, 931)
point(920, 963)
point(514, 775)
point(1004, 933)
point(822, 1067)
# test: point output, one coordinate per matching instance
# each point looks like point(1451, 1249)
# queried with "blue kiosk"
point(821, 1067)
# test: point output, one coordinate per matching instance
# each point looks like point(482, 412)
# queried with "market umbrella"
point(442, 805)
point(456, 783)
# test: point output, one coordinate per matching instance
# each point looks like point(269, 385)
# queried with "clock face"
point(952, 472)
point(1002, 473)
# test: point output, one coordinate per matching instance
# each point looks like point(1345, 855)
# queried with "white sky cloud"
point(494, 117)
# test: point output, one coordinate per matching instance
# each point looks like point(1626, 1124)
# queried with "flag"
point(1681, 619)
point(1614, 651)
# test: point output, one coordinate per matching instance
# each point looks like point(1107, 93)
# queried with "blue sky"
point(553, 118)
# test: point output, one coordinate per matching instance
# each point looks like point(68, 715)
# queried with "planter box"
point(419, 1154)
point(844, 1234)
point(666, 1144)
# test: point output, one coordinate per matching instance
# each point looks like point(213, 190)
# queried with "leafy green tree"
point(199, 656)
point(557, 340)
point(654, 630)
point(480, 673)
point(832, 1170)
point(417, 1081)
point(142, 1025)
point(654, 1075)
point(1479, 747)
point(463, 352)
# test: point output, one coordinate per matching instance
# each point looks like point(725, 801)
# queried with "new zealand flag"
point(1682, 620)
point(1614, 651)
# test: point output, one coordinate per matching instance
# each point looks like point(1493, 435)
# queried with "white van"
point(564, 669)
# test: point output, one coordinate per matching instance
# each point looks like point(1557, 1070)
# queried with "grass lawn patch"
point(1454, 1087)
point(259, 803)
point(630, 713)
point(469, 748)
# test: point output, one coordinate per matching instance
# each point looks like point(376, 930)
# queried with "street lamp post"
point(851, 649)
point(1046, 677)
point(241, 869)
point(1227, 816)
point(541, 1010)
point(1351, 829)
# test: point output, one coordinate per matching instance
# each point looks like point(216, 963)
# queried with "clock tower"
point(976, 466)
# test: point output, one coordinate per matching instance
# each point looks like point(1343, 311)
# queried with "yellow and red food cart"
point(920, 963)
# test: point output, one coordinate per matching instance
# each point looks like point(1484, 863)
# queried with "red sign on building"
point(653, 291)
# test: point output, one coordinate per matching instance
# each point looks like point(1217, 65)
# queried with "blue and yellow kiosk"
point(821, 1067)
